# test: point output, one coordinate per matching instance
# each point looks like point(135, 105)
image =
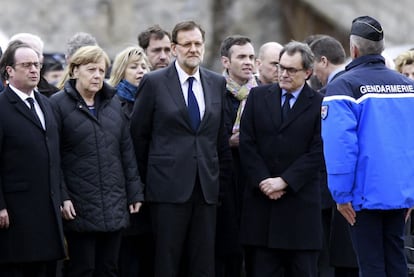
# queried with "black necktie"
point(33, 109)
point(286, 106)
point(193, 109)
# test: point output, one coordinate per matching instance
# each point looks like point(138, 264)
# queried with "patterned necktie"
point(193, 109)
point(286, 106)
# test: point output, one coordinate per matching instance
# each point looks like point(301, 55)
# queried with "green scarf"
point(240, 92)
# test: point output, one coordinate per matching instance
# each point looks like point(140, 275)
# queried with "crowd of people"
point(291, 162)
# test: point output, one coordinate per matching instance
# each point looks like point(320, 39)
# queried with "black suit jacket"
point(291, 150)
point(29, 182)
point(169, 152)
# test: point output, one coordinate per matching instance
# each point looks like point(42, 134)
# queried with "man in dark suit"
point(182, 149)
point(281, 153)
point(31, 236)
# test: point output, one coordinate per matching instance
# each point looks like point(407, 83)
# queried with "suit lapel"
point(21, 107)
point(274, 95)
point(44, 110)
point(207, 85)
point(302, 103)
point(273, 99)
point(174, 88)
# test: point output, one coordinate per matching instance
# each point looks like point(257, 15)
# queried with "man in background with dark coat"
point(338, 250)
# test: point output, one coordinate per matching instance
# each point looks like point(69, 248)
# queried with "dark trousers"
point(92, 254)
point(136, 256)
point(184, 237)
point(378, 240)
point(324, 266)
point(32, 269)
point(268, 262)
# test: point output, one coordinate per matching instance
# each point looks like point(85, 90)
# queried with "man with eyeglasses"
point(31, 235)
point(281, 154)
point(267, 62)
point(183, 154)
point(37, 44)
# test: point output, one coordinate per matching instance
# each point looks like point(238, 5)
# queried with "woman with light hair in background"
point(128, 68)
point(136, 257)
point(100, 182)
point(404, 63)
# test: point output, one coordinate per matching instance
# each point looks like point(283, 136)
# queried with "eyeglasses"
point(188, 45)
point(289, 70)
point(30, 64)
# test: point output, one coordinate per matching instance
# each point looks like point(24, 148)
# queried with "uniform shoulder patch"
point(324, 111)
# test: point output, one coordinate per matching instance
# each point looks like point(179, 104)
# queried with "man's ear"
point(324, 61)
point(225, 61)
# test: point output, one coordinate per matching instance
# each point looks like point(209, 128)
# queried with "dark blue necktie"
point(286, 106)
point(193, 109)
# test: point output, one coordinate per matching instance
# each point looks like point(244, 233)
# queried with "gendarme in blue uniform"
point(368, 133)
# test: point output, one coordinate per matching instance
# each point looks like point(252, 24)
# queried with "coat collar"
point(174, 88)
point(273, 98)
point(22, 108)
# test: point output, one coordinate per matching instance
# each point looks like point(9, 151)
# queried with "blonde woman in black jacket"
point(101, 181)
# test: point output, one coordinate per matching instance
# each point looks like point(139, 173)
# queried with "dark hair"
point(155, 32)
point(329, 47)
point(229, 41)
point(8, 57)
point(186, 26)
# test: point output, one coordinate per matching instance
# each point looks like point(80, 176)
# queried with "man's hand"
point(4, 219)
point(68, 211)
point(273, 187)
point(276, 195)
point(134, 208)
point(348, 212)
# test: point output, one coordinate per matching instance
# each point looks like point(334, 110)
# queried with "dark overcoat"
point(291, 150)
point(29, 182)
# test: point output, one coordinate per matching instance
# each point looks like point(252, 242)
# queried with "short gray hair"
point(295, 46)
point(77, 41)
point(366, 46)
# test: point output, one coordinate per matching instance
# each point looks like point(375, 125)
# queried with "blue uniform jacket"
point(368, 134)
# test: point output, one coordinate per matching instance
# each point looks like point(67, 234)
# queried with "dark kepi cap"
point(367, 27)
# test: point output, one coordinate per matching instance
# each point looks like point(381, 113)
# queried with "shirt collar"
point(295, 93)
point(183, 76)
point(21, 94)
point(333, 73)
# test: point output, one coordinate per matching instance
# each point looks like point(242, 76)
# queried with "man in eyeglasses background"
point(281, 154)
point(31, 234)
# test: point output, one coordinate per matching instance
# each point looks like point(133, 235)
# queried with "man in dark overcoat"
point(31, 236)
point(281, 153)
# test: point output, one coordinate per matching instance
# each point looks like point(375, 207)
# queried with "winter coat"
point(98, 162)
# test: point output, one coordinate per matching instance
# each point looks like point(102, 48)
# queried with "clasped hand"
point(274, 188)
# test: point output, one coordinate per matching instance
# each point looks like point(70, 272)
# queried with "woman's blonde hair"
point(404, 58)
point(82, 56)
point(125, 57)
